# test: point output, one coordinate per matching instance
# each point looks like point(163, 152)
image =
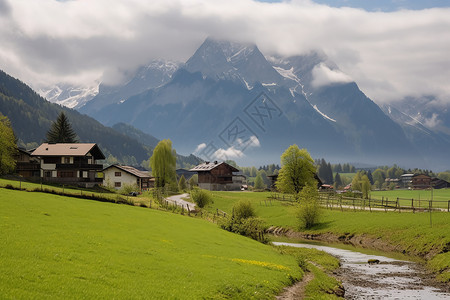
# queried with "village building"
point(74, 164)
point(421, 181)
point(437, 183)
point(27, 166)
point(118, 176)
point(215, 176)
point(274, 178)
point(406, 180)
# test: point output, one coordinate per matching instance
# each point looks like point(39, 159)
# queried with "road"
point(179, 200)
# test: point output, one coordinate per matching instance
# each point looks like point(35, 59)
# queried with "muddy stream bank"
point(387, 278)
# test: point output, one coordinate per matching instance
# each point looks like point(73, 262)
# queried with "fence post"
point(398, 205)
point(412, 205)
point(370, 208)
point(354, 208)
point(448, 206)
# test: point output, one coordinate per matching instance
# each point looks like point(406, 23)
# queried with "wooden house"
point(118, 176)
point(421, 181)
point(26, 165)
point(215, 176)
point(74, 164)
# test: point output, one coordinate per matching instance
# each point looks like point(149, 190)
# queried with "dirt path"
point(296, 291)
point(179, 200)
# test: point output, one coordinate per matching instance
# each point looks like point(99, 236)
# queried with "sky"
point(392, 48)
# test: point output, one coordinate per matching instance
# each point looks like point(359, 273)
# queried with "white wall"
point(124, 179)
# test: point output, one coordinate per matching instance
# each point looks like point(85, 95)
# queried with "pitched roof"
point(132, 171)
point(73, 149)
point(208, 166)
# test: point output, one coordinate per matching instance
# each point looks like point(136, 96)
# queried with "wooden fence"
point(338, 201)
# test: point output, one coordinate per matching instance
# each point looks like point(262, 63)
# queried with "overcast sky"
point(394, 49)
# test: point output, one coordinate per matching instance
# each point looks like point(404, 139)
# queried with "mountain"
point(230, 101)
point(154, 74)
point(31, 117)
point(69, 95)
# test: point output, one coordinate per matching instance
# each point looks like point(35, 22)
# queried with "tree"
point(8, 146)
point(182, 183)
point(253, 172)
point(193, 181)
point(365, 186)
point(297, 170)
point(259, 184)
point(61, 131)
point(337, 181)
point(309, 211)
point(163, 163)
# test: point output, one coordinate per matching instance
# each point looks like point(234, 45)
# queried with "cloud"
point(323, 76)
point(432, 122)
point(229, 153)
point(390, 55)
point(200, 147)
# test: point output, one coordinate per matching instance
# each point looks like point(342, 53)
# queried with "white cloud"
point(323, 76)
point(390, 55)
point(200, 147)
point(432, 122)
point(229, 153)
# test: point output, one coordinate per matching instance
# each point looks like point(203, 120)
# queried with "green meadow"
point(412, 232)
point(57, 247)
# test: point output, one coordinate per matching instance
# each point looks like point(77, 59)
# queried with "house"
point(118, 176)
point(406, 180)
point(215, 176)
point(26, 165)
point(437, 183)
point(421, 181)
point(74, 164)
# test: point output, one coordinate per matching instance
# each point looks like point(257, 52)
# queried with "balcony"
point(79, 166)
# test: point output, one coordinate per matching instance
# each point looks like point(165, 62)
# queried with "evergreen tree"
point(163, 163)
point(8, 146)
point(61, 131)
point(369, 175)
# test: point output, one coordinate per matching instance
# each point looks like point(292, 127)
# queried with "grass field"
point(410, 231)
point(57, 247)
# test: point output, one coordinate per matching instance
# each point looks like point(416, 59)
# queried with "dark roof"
point(62, 149)
point(208, 166)
point(131, 170)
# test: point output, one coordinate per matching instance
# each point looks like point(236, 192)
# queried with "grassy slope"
point(57, 247)
point(412, 232)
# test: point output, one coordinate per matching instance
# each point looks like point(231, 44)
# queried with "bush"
point(201, 197)
point(244, 222)
point(309, 211)
point(128, 188)
point(243, 210)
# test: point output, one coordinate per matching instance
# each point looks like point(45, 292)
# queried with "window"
point(67, 160)
point(117, 184)
point(48, 174)
point(118, 174)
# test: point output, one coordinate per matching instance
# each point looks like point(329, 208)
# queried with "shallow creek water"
point(390, 279)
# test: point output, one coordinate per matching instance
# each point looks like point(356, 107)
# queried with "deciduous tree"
point(163, 163)
point(297, 170)
point(259, 184)
point(8, 146)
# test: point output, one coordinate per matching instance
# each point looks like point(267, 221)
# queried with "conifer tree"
point(61, 131)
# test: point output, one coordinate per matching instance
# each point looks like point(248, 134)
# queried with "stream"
point(390, 279)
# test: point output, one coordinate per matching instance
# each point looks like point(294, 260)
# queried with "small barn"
point(217, 176)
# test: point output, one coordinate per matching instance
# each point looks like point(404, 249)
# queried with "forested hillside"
point(31, 117)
